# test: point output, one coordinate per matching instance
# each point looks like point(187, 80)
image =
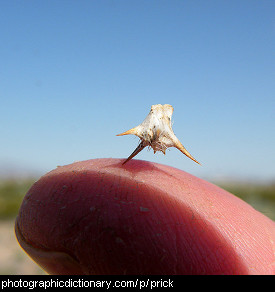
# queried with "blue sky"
point(74, 74)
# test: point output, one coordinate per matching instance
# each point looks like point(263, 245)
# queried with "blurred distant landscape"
point(14, 261)
point(14, 187)
point(259, 195)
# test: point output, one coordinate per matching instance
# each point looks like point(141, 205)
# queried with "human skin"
point(101, 217)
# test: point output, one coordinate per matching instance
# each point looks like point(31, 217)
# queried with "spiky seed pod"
point(156, 132)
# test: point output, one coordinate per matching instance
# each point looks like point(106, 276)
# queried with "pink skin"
point(102, 217)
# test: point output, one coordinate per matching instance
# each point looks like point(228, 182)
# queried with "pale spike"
point(185, 152)
point(129, 132)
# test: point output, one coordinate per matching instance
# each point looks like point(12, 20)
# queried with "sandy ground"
point(13, 259)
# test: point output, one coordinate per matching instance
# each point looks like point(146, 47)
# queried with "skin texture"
point(102, 217)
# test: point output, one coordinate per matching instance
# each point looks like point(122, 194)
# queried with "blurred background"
point(74, 74)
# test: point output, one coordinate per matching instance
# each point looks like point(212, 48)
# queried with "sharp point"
point(129, 132)
point(185, 152)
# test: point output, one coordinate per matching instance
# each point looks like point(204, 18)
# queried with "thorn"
point(129, 132)
point(140, 147)
point(185, 152)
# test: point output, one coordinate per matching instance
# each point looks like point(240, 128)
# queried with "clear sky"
point(73, 74)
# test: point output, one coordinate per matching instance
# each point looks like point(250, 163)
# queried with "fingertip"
point(143, 218)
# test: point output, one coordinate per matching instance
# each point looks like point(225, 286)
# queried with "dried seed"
point(156, 132)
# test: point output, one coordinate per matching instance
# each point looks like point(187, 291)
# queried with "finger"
point(99, 217)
